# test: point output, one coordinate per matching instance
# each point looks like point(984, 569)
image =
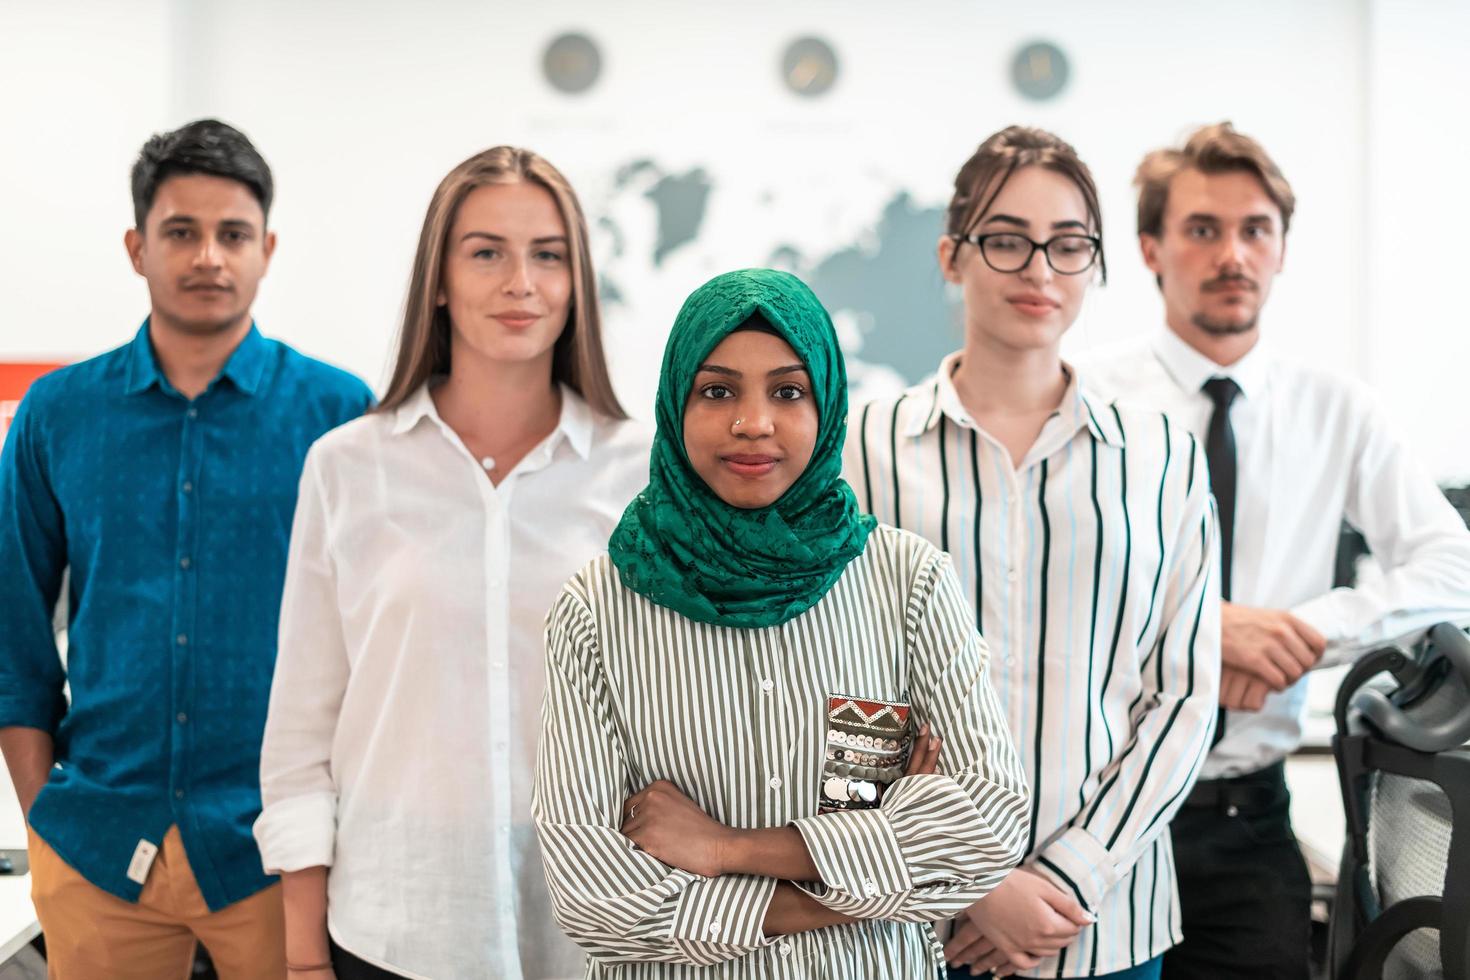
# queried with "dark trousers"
point(349, 967)
point(1243, 884)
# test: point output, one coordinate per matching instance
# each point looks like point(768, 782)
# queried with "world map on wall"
point(877, 274)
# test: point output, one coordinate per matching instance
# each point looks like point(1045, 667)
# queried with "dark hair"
point(1216, 149)
point(577, 359)
point(757, 323)
point(205, 146)
point(984, 175)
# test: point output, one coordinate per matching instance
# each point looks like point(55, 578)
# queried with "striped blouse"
point(1093, 567)
point(739, 721)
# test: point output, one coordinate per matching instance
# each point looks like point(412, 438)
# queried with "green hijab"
point(683, 547)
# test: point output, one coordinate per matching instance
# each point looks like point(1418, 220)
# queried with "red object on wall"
point(15, 378)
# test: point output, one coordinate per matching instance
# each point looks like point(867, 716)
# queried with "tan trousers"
point(92, 935)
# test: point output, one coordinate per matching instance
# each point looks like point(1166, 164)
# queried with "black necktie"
point(1220, 452)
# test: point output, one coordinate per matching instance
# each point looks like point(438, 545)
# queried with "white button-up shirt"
point(401, 740)
point(1312, 449)
point(1092, 570)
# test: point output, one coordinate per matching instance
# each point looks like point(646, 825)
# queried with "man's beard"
point(1226, 328)
point(222, 322)
point(1223, 328)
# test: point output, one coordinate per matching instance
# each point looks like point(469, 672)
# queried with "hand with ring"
point(667, 825)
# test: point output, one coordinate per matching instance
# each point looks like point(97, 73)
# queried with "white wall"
point(1417, 256)
point(361, 107)
point(82, 85)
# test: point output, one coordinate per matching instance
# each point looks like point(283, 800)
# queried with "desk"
point(18, 925)
point(1316, 812)
point(1318, 725)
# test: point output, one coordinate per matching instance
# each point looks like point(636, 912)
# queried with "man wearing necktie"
point(1220, 455)
point(1292, 451)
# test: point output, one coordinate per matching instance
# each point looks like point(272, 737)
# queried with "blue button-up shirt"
point(173, 516)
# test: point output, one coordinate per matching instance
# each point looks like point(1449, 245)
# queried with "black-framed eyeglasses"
point(1009, 251)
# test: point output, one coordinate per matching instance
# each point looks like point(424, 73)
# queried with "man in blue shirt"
point(163, 474)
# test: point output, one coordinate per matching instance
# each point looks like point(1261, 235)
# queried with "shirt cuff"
point(858, 858)
point(43, 712)
point(1322, 614)
point(297, 832)
point(1079, 865)
point(719, 919)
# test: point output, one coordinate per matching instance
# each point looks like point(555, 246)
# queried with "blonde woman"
point(431, 537)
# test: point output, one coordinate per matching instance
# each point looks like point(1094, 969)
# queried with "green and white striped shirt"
point(1093, 568)
point(739, 721)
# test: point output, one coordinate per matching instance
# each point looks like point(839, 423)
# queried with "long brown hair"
point(423, 340)
point(984, 175)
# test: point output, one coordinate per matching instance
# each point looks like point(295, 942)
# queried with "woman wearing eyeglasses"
point(1085, 535)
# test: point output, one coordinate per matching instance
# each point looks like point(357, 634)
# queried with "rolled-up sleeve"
point(939, 842)
point(297, 826)
point(32, 560)
point(1417, 539)
point(615, 902)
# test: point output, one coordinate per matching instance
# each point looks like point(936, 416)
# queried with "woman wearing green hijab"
point(736, 776)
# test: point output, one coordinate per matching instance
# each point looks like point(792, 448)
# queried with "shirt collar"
point(1079, 407)
point(575, 425)
point(576, 422)
point(1190, 369)
point(245, 366)
point(143, 370)
point(415, 408)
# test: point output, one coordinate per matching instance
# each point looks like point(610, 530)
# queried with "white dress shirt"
point(1091, 567)
point(1311, 450)
point(401, 740)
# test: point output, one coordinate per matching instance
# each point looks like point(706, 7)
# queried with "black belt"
point(1255, 789)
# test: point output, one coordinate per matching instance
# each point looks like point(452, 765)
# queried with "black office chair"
point(1403, 896)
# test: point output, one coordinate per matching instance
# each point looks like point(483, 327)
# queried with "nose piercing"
point(738, 423)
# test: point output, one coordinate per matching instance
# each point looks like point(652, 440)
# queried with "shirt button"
point(775, 782)
point(714, 929)
point(1232, 811)
point(1010, 660)
point(178, 794)
point(1014, 575)
point(181, 640)
point(184, 562)
point(193, 413)
point(785, 949)
point(768, 685)
point(870, 887)
point(497, 664)
point(188, 487)
point(183, 718)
